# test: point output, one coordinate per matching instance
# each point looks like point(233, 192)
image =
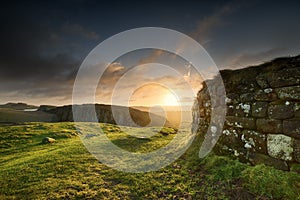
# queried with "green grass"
point(66, 170)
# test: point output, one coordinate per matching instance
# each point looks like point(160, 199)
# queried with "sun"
point(170, 100)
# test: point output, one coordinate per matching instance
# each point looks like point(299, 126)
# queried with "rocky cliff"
point(263, 113)
point(105, 115)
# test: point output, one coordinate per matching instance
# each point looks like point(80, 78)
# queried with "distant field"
point(13, 115)
point(174, 115)
point(66, 170)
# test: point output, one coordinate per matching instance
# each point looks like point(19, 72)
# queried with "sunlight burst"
point(170, 100)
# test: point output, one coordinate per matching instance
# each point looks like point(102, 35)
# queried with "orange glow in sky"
point(153, 94)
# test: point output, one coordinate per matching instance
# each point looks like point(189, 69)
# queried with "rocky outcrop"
point(105, 115)
point(263, 113)
point(48, 140)
point(46, 108)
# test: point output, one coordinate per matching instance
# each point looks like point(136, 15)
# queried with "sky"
point(44, 43)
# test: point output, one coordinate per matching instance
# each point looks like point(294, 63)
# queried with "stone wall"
point(263, 113)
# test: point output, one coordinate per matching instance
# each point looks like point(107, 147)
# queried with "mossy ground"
point(66, 170)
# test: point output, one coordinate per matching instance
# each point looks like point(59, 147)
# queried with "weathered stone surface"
point(46, 108)
point(203, 94)
point(269, 125)
point(239, 110)
point(48, 140)
point(104, 114)
point(281, 111)
point(241, 122)
point(245, 107)
point(280, 146)
point(263, 113)
point(240, 81)
point(233, 98)
point(254, 141)
point(202, 112)
point(296, 146)
point(267, 94)
point(289, 93)
point(247, 97)
point(229, 141)
point(257, 158)
point(259, 109)
point(207, 104)
point(291, 127)
point(285, 77)
point(297, 109)
point(262, 81)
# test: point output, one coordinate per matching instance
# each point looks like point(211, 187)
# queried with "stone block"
point(203, 95)
point(269, 125)
point(297, 109)
point(281, 111)
point(233, 98)
point(247, 97)
point(280, 146)
point(289, 93)
point(241, 122)
point(262, 81)
point(259, 109)
point(257, 158)
point(46, 140)
point(285, 77)
point(239, 110)
point(267, 94)
point(202, 112)
point(291, 127)
point(230, 137)
point(296, 146)
point(254, 141)
point(207, 103)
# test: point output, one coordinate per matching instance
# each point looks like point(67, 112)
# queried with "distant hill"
point(10, 115)
point(18, 106)
point(105, 115)
point(21, 112)
point(173, 114)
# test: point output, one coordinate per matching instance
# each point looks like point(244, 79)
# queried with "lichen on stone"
point(228, 100)
point(230, 132)
point(268, 90)
point(280, 146)
point(246, 107)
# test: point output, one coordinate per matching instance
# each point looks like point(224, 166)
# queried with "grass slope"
point(65, 170)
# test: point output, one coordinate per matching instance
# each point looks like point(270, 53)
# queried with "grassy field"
point(66, 170)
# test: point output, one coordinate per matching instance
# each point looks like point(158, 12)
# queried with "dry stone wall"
point(262, 123)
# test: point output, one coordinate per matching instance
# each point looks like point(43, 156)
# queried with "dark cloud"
point(80, 30)
point(42, 44)
point(38, 60)
point(246, 59)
